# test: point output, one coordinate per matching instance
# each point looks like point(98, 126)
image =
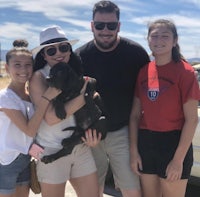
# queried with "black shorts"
point(157, 150)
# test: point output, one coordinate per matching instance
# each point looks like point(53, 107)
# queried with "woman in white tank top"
point(79, 166)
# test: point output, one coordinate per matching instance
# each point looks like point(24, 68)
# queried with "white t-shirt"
point(12, 140)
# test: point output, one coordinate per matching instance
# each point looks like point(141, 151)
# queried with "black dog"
point(91, 115)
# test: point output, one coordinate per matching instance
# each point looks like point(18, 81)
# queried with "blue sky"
point(26, 18)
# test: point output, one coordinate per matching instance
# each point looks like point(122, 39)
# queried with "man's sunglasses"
point(62, 48)
point(110, 25)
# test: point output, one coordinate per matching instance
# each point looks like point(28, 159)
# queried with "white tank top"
point(52, 135)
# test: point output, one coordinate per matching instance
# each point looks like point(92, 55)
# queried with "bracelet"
point(44, 97)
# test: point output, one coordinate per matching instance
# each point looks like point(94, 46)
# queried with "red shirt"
point(177, 84)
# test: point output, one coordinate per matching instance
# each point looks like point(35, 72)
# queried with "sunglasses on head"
point(62, 48)
point(110, 25)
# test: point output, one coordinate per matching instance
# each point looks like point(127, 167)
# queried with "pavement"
point(68, 193)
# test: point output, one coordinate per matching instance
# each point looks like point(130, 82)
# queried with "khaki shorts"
point(115, 149)
point(79, 163)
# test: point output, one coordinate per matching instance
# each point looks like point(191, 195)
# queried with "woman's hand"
point(84, 86)
point(136, 163)
point(91, 139)
point(174, 170)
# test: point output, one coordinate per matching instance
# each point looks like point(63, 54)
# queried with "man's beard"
point(105, 46)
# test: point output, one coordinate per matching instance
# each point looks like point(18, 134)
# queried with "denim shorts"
point(157, 150)
point(14, 174)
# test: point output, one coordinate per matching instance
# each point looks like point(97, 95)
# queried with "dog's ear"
point(58, 75)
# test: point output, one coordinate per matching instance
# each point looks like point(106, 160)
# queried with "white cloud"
point(12, 31)
point(75, 16)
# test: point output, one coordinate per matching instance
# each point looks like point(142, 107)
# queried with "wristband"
point(44, 97)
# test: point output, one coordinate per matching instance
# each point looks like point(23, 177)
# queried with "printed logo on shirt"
point(153, 82)
point(153, 93)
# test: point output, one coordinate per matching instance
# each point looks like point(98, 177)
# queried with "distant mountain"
point(194, 60)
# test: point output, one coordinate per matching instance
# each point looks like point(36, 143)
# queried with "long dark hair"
point(176, 54)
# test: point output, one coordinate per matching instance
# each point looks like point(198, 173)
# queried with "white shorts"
point(79, 163)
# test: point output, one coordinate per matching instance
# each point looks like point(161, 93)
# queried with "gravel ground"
point(69, 192)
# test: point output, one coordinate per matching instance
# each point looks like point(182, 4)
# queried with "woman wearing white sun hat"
point(78, 167)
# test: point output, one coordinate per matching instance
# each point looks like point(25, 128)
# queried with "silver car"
point(195, 174)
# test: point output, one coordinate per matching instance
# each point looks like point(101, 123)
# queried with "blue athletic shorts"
point(16, 173)
point(157, 150)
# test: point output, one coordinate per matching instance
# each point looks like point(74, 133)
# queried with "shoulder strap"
point(153, 81)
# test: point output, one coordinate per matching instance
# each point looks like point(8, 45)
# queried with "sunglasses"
point(62, 48)
point(110, 25)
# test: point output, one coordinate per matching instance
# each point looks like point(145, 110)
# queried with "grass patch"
point(4, 81)
point(4, 78)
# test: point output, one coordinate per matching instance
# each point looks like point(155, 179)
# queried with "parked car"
point(197, 69)
point(195, 174)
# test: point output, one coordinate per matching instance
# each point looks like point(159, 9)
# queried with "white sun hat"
point(50, 36)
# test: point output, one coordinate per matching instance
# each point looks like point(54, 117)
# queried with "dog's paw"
point(47, 159)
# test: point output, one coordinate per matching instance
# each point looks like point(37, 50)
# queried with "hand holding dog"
point(91, 139)
point(89, 115)
point(84, 86)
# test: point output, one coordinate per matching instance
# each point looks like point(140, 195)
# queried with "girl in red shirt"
point(164, 116)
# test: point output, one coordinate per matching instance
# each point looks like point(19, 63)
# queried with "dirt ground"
point(69, 192)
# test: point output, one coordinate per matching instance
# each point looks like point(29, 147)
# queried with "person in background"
point(115, 62)
point(164, 116)
point(18, 122)
point(79, 166)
